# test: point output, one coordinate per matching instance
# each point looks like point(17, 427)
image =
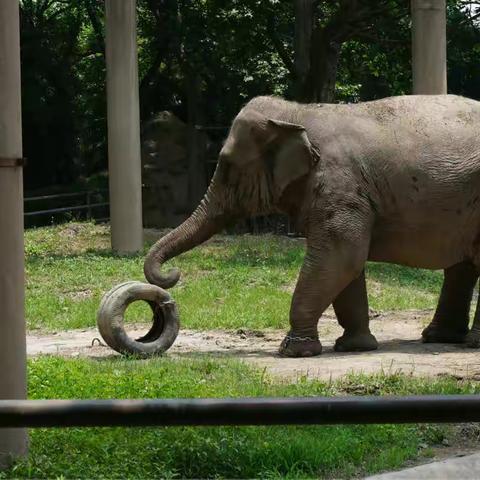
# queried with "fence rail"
point(90, 206)
point(63, 195)
point(66, 209)
point(246, 411)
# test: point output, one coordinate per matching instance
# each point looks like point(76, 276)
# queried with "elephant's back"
point(419, 129)
point(422, 111)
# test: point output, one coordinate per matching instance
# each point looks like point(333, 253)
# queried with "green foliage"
point(205, 59)
point(242, 452)
point(463, 48)
point(380, 60)
point(377, 56)
point(231, 282)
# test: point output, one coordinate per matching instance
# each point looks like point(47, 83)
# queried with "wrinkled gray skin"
point(395, 180)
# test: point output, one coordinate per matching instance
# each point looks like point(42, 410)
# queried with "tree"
point(322, 29)
point(203, 59)
point(49, 33)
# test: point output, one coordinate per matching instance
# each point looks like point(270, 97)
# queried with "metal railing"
point(243, 411)
point(90, 205)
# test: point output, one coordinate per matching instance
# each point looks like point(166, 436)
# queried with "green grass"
point(231, 282)
point(247, 452)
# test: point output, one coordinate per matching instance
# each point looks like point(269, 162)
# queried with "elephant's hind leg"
point(351, 309)
point(450, 322)
point(473, 337)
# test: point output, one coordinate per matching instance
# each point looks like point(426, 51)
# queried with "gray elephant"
point(394, 180)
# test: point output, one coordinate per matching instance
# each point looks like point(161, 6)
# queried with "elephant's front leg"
point(351, 309)
point(333, 260)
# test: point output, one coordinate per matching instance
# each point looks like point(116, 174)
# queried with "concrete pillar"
point(124, 164)
point(13, 442)
point(429, 47)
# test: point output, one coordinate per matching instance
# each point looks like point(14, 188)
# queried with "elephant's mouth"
point(249, 193)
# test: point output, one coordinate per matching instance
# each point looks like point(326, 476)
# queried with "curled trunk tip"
point(199, 227)
point(153, 275)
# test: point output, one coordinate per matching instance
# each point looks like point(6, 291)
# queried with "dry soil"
point(398, 333)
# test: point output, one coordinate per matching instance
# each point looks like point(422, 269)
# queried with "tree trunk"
point(316, 57)
point(324, 59)
point(304, 20)
point(197, 182)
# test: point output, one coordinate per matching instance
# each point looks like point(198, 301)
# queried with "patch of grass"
point(247, 452)
point(230, 282)
point(393, 287)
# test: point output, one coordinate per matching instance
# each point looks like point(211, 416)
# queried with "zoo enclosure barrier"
point(94, 204)
point(88, 204)
point(242, 411)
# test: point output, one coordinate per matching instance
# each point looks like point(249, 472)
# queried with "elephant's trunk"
point(199, 227)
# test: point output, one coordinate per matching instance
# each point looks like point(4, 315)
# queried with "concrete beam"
point(13, 442)
point(429, 47)
point(124, 163)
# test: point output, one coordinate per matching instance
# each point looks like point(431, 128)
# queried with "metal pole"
point(125, 170)
point(89, 207)
point(242, 411)
point(429, 47)
point(13, 442)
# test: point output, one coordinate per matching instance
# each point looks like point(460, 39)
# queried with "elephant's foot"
point(472, 339)
point(435, 333)
point(356, 342)
point(298, 346)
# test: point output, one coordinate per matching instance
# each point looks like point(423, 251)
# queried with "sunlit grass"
point(230, 282)
point(246, 452)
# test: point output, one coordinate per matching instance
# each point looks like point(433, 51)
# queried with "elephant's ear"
point(292, 155)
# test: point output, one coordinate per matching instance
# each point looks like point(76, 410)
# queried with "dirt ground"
point(397, 332)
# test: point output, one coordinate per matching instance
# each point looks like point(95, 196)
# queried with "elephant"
point(394, 180)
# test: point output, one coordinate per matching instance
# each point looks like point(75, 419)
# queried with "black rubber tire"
point(166, 322)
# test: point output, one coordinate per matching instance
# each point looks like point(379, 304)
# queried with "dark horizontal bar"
point(246, 411)
point(6, 162)
point(65, 195)
point(66, 209)
point(206, 127)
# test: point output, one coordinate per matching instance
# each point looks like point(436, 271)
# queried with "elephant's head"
point(260, 159)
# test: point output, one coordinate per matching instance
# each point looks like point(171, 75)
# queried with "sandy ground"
point(398, 333)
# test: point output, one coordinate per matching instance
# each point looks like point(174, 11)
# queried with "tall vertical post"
point(13, 442)
point(429, 47)
point(124, 164)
